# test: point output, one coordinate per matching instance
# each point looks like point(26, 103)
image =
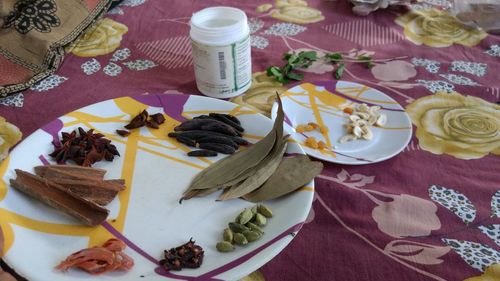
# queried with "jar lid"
point(219, 25)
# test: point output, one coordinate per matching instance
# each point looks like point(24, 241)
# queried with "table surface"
point(430, 213)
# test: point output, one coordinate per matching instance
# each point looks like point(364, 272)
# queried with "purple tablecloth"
point(430, 213)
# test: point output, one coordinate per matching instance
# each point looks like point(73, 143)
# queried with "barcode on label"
point(222, 66)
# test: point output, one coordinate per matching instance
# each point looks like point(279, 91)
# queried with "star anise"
point(83, 147)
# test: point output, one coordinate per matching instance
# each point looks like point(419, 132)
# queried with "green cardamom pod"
point(240, 239)
point(255, 228)
point(260, 220)
point(254, 209)
point(265, 211)
point(251, 235)
point(245, 216)
point(224, 247)
point(228, 235)
point(237, 228)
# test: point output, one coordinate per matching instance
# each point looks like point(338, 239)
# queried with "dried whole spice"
point(59, 197)
point(98, 260)
point(228, 120)
point(158, 118)
point(152, 124)
point(247, 228)
point(292, 173)
point(188, 255)
point(141, 120)
point(84, 148)
point(202, 153)
point(231, 171)
point(215, 132)
point(254, 172)
point(217, 147)
point(138, 121)
point(123, 133)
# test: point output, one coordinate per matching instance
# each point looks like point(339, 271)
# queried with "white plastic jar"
point(220, 40)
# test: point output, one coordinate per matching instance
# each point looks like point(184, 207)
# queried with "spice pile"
point(311, 141)
point(78, 191)
point(361, 118)
point(188, 255)
point(212, 133)
point(83, 147)
point(247, 227)
point(141, 120)
point(98, 260)
point(257, 173)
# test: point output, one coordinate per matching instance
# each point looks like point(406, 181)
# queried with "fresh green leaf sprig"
point(285, 74)
point(337, 58)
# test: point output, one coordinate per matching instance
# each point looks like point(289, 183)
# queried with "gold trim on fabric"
point(55, 53)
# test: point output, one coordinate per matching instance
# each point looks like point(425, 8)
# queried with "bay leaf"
point(198, 193)
point(231, 167)
point(248, 173)
point(291, 174)
point(263, 171)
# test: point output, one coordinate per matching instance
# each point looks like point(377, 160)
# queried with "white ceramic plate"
point(323, 103)
point(147, 215)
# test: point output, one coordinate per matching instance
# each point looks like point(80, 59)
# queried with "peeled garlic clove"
point(357, 131)
point(374, 110)
point(372, 120)
point(367, 133)
point(354, 118)
point(361, 123)
point(362, 107)
point(347, 138)
point(362, 115)
point(381, 120)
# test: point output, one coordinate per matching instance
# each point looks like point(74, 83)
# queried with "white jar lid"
point(219, 25)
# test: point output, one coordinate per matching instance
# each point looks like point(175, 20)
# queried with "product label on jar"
point(222, 70)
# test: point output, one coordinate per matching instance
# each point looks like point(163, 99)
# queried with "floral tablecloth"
point(430, 213)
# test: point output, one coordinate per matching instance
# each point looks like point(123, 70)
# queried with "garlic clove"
point(362, 115)
point(360, 123)
point(347, 138)
point(372, 120)
point(354, 118)
point(367, 133)
point(381, 120)
point(357, 131)
point(374, 110)
point(362, 107)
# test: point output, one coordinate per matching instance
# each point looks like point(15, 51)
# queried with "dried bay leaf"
point(232, 167)
point(263, 171)
point(292, 173)
point(198, 193)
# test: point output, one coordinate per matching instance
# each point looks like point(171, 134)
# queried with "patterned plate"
point(147, 215)
point(323, 103)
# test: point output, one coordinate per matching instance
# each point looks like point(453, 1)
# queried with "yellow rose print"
point(295, 11)
point(491, 273)
point(261, 95)
point(264, 8)
point(254, 276)
point(9, 136)
point(437, 28)
point(101, 39)
point(465, 127)
point(283, 3)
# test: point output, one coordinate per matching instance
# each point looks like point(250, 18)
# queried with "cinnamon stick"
point(59, 197)
point(70, 171)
